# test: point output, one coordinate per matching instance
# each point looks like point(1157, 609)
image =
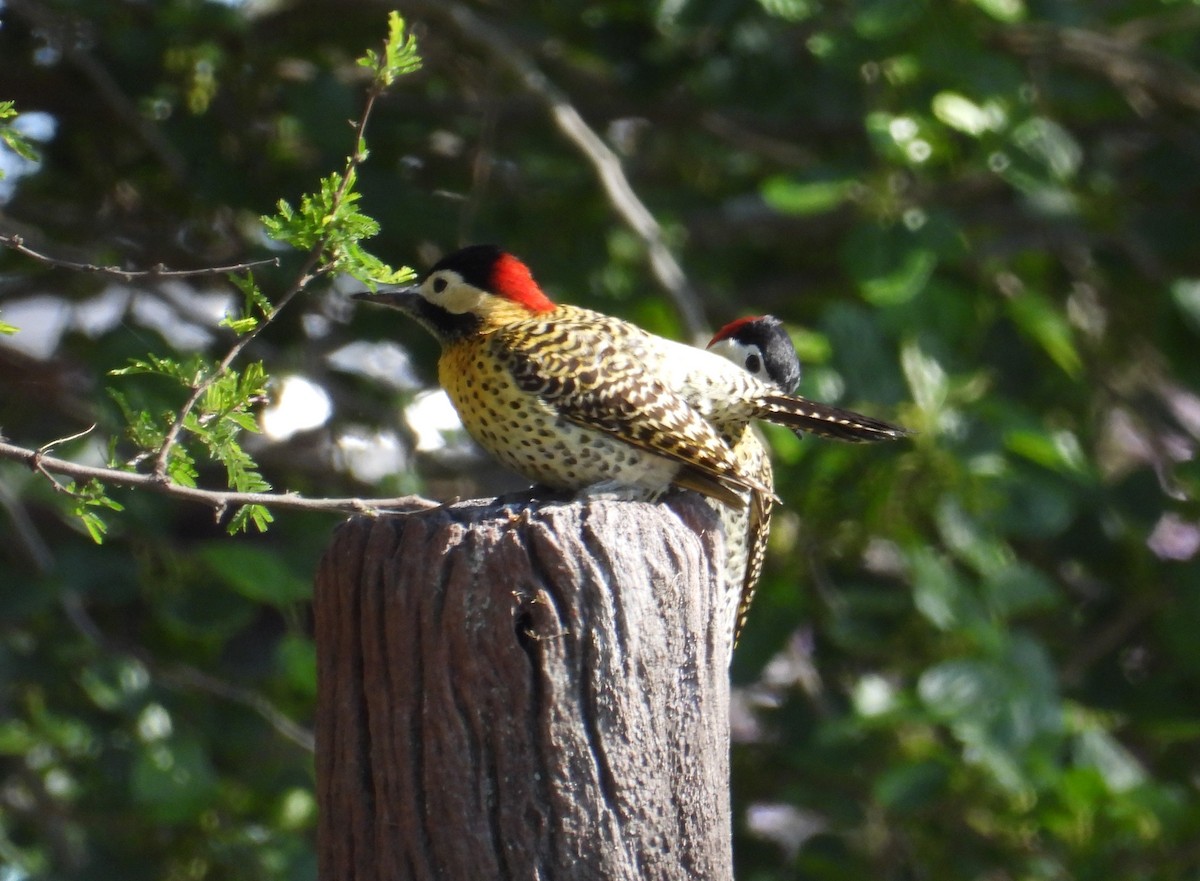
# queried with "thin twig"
point(50, 445)
point(1126, 65)
point(183, 677)
point(176, 677)
point(62, 32)
point(606, 163)
point(308, 273)
point(26, 532)
point(17, 243)
point(35, 465)
point(35, 461)
point(1150, 27)
point(303, 279)
point(218, 500)
point(1109, 637)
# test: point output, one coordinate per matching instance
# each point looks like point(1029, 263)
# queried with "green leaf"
point(879, 19)
point(254, 300)
point(298, 658)
point(1051, 145)
point(958, 688)
point(259, 515)
point(181, 466)
point(88, 497)
point(95, 525)
point(399, 53)
point(255, 305)
point(912, 785)
point(12, 138)
point(1007, 11)
point(790, 10)
point(220, 416)
point(173, 778)
point(1117, 766)
point(968, 540)
point(1034, 507)
point(963, 114)
point(16, 739)
point(941, 594)
point(926, 378)
point(1019, 588)
point(240, 325)
point(1056, 450)
point(330, 219)
point(789, 196)
point(1039, 319)
point(890, 266)
point(812, 346)
point(1186, 294)
point(141, 427)
point(190, 373)
point(998, 707)
point(256, 573)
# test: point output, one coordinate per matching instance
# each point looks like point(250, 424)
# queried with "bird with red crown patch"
point(761, 346)
point(579, 400)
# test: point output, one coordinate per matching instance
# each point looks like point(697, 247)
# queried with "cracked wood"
point(528, 690)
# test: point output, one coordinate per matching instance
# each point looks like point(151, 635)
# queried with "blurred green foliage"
point(972, 656)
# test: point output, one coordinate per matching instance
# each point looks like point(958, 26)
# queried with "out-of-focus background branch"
point(971, 656)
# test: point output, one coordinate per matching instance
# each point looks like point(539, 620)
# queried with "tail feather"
point(802, 415)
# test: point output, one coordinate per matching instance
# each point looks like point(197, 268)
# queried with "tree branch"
point(181, 677)
point(1126, 65)
point(61, 31)
point(606, 163)
point(309, 271)
point(219, 500)
point(17, 243)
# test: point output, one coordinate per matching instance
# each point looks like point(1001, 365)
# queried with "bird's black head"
point(474, 264)
point(493, 271)
point(762, 346)
point(470, 291)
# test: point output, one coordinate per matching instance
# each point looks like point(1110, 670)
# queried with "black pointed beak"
point(442, 324)
point(404, 299)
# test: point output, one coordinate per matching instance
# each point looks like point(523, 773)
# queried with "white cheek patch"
point(739, 354)
point(459, 299)
point(448, 291)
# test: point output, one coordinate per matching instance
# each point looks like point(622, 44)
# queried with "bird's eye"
point(753, 363)
point(439, 285)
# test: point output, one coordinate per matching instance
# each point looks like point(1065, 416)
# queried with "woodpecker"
point(762, 347)
point(577, 400)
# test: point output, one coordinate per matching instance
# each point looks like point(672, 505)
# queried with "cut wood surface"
point(529, 691)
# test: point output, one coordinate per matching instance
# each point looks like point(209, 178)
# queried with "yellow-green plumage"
point(762, 347)
point(561, 402)
point(578, 400)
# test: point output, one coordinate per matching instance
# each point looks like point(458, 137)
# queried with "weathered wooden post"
point(526, 691)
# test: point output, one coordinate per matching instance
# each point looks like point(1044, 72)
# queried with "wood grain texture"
point(525, 691)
